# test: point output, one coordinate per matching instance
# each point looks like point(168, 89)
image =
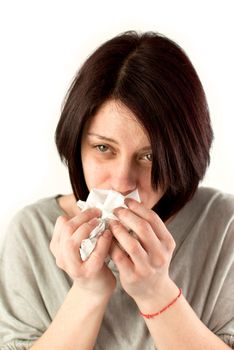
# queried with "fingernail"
point(114, 223)
point(97, 211)
point(117, 210)
point(94, 222)
point(128, 201)
point(107, 233)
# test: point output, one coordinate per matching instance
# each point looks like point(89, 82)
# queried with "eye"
point(102, 148)
point(148, 157)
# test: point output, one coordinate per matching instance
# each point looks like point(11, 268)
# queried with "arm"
point(179, 327)
point(77, 322)
point(144, 276)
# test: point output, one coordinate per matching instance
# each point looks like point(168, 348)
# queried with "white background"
point(42, 45)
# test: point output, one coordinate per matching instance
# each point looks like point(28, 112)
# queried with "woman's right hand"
point(92, 275)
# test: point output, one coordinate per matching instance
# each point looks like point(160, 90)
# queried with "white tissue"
point(106, 201)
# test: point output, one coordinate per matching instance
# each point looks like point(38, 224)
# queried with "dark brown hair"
point(155, 79)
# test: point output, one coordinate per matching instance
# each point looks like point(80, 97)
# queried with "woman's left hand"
point(142, 259)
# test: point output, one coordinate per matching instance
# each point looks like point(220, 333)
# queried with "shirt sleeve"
point(222, 290)
point(23, 314)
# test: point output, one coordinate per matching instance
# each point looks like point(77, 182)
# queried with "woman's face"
point(116, 153)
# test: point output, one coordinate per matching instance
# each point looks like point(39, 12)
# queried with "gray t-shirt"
point(32, 287)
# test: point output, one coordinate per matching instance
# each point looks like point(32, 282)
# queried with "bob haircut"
point(154, 78)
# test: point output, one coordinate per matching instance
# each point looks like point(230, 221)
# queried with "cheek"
point(94, 174)
point(144, 181)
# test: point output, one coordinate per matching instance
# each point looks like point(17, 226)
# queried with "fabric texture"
point(32, 287)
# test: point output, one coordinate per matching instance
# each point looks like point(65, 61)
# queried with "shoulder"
point(215, 195)
point(209, 214)
point(45, 208)
point(33, 222)
point(210, 202)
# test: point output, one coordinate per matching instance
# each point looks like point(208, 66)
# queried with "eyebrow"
point(102, 137)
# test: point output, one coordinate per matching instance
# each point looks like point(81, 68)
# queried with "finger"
point(132, 246)
point(61, 220)
point(100, 252)
point(140, 226)
point(84, 230)
point(121, 259)
point(69, 257)
point(156, 223)
point(73, 224)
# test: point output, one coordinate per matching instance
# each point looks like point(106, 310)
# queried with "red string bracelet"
point(164, 308)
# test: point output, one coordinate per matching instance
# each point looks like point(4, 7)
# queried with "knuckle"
point(161, 260)
point(52, 247)
point(119, 256)
point(59, 262)
point(144, 226)
point(171, 244)
point(71, 268)
point(97, 260)
point(61, 219)
point(70, 244)
point(69, 228)
point(134, 248)
point(153, 215)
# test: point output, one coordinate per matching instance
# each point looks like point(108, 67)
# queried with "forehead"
point(114, 119)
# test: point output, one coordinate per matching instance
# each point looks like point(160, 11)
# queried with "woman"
point(135, 117)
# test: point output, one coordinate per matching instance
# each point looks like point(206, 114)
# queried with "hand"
point(91, 275)
point(142, 259)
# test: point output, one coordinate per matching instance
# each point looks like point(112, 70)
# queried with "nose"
point(124, 177)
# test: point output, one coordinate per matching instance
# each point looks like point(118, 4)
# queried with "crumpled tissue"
point(106, 201)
